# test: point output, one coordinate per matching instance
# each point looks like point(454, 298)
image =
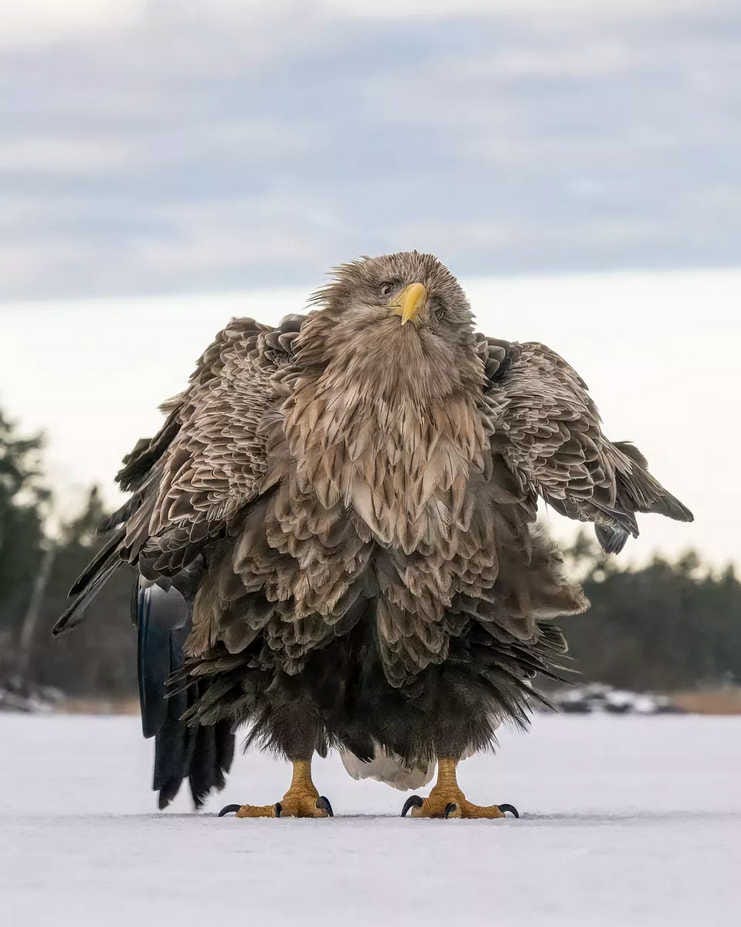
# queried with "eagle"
point(335, 539)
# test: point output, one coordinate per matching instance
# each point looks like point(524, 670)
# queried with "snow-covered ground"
point(625, 821)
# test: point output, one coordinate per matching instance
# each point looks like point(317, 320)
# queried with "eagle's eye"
point(387, 287)
point(439, 309)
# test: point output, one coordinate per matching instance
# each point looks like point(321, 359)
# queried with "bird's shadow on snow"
point(554, 819)
point(527, 821)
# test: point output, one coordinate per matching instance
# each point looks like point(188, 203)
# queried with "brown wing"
point(548, 430)
point(203, 467)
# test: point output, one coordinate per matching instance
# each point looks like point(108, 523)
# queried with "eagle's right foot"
point(302, 800)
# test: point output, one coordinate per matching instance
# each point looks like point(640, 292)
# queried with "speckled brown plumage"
point(352, 501)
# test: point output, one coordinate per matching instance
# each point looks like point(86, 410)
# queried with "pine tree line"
point(100, 657)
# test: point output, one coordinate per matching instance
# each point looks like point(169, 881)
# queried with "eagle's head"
point(399, 323)
point(398, 289)
point(382, 402)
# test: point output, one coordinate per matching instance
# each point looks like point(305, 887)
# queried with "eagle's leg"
point(302, 800)
point(446, 799)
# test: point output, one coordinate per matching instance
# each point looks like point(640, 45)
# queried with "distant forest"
point(666, 626)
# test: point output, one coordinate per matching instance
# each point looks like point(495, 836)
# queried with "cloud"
point(51, 154)
point(42, 22)
point(551, 9)
point(174, 146)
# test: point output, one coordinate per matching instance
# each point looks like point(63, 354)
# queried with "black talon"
point(449, 809)
point(511, 808)
point(228, 809)
point(414, 801)
point(323, 804)
point(278, 809)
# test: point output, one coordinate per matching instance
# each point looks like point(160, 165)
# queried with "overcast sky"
point(166, 165)
point(147, 147)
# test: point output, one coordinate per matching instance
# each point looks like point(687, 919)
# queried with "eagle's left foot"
point(302, 800)
point(446, 800)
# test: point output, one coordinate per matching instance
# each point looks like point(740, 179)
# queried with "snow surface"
point(625, 821)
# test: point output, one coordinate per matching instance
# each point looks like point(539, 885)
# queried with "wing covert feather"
point(217, 453)
point(548, 430)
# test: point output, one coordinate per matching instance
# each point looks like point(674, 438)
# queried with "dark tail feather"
point(203, 755)
point(202, 764)
point(174, 744)
point(212, 759)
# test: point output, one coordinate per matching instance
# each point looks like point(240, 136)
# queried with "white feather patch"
point(389, 768)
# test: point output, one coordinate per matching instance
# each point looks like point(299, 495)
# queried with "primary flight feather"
point(345, 508)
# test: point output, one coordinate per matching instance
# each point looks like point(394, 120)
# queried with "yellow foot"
point(446, 800)
point(452, 805)
point(300, 801)
point(292, 805)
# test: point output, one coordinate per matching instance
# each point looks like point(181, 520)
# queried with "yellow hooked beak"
point(409, 302)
